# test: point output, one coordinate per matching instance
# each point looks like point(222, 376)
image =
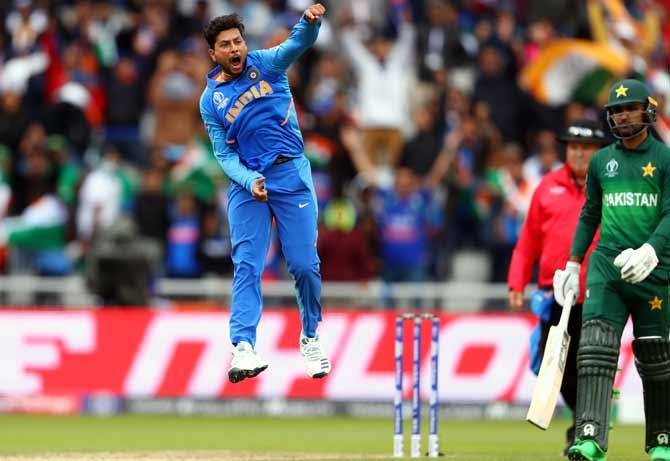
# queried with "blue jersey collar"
point(211, 83)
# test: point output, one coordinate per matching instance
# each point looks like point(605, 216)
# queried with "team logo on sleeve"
point(253, 74)
point(612, 168)
point(220, 101)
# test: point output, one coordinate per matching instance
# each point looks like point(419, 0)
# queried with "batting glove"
point(636, 265)
point(565, 281)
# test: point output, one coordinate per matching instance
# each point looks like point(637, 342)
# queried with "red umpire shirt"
point(548, 230)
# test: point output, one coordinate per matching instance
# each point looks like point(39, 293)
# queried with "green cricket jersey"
point(628, 195)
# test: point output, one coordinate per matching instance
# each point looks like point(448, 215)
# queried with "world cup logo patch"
point(612, 168)
point(220, 101)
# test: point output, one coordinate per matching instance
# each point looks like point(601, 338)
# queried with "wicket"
point(433, 438)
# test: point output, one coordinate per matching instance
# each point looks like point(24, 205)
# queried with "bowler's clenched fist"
point(314, 12)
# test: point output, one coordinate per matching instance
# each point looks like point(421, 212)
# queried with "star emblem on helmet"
point(648, 170)
point(621, 91)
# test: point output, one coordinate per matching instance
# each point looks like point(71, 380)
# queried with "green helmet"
point(630, 91)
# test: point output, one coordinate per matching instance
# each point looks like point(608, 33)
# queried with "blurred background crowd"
point(428, 123)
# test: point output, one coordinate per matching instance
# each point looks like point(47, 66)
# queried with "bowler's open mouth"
point(236, 62)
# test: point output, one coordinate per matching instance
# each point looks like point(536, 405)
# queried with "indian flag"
point(573, 70)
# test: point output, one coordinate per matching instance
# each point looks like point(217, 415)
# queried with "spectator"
point(470, 149)
point(439, 42)
point(25, 24)
point(214, 251)
point(384, 72)
point(35, 237)
point(500, 92)
point(125, 91)
point(102, 29)
point(328, 144)
point(151, 208)
point(66, 172)
point(422, 150)
point(367, 219)
point(66, 116)
point(183, 237)
point(544, 158)
point(189, 168)
point(540, 33)
point(100, 198)
point(457, 107)
point(149, 33)
point(33, 175)
point(74, 77)
point(14, 119)
point(173, 93)
point(407, 219)
point(343, 250)
point(509, 210)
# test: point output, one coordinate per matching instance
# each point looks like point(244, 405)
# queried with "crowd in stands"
point(423, 131)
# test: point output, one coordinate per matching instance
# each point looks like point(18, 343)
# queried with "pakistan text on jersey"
point(631, 199)
point(259, 90)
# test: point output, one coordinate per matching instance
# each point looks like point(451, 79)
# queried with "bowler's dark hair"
point(221, 23)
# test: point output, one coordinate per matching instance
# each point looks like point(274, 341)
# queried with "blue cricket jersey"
point(251, 120)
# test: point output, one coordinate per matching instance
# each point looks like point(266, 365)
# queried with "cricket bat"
point(548, 384)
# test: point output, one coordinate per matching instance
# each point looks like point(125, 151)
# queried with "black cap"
point(584, 130)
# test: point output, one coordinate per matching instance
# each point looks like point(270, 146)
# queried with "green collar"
point(646, 144)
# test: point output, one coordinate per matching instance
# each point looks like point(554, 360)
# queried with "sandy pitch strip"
point(213, 455)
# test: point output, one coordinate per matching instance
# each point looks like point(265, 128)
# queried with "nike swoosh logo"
point(303, 205)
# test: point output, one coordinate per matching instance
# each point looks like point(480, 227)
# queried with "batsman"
point(628, 195)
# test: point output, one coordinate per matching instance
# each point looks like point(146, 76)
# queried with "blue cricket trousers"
point(292, 203)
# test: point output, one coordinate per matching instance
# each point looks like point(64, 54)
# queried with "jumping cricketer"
point(251, 120)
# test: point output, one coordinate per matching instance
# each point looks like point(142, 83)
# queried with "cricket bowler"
point(248, 110)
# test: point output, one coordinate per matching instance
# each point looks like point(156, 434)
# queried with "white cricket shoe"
point(246, 363)
point(316, 361)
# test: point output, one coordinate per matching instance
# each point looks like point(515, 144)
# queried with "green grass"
point(461, 440)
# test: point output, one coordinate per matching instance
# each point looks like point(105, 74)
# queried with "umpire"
point(546, 236)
